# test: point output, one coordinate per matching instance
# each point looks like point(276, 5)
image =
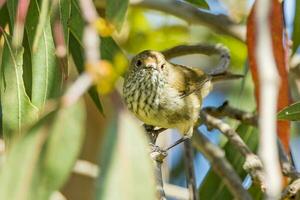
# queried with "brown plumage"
point(163, 94)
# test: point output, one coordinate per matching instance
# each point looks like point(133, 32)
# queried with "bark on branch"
point(221, 166)
point(219, 23)
point(253, 164)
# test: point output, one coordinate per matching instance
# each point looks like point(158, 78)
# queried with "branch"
point(206, 49)
point(86, 168)
point(220, 165)
point(269, 87)
point(220, 72)
point(225, 110)
point(286, 166)
point(2, 2)
point(158, 156)
point(176, 192)
point(291, 191)
point(57, 196)
point(191, 14)
point(253, 164)
point(91, 43)
point(189, 164)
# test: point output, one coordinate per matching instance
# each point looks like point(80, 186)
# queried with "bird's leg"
point(184, 138)
point(152, 132)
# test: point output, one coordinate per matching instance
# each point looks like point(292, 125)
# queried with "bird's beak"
point(150, 63)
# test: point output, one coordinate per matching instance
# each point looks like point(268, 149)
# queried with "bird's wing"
point(188, 80)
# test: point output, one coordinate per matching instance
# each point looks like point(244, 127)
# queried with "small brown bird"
point(163, 94)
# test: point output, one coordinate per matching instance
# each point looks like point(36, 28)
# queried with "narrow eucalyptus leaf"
point(126, 169)
point(39, 162)
point(116, 11)
point(46, 75)
point(199, 3)
point(17, 110)
point(296, 28)
point(292, 112)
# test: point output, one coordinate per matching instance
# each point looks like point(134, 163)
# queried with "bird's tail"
point(222, 76)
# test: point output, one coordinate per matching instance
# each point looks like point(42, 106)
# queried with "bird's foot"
point(157, 153)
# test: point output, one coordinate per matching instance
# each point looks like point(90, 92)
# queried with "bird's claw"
point(157, 153)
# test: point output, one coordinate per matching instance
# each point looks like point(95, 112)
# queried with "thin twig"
point(176, 192)
point(292, 191)
point(206, 49)
point(2, 2)
point(221, 166)
point(219, 72)
point(253, 164)
point(225, 110)
point(191, 14)
point(269, 87)
point(189, 164)
point(286, 166)
point(86, 168)
point(77, 89)
point(18, 32)
point(57, 196)
point(91, 43)
point(158, 156)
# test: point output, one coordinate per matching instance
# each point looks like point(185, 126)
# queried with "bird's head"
point(148, 60)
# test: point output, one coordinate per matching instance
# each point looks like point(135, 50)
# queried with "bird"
point(166, 95)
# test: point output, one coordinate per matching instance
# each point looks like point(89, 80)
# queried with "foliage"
point(44, 52)
point(296, 28)
point(292, 112)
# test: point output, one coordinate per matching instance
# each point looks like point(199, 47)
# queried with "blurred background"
point(150, 29)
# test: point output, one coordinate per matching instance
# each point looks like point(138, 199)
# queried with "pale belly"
point(168, 111)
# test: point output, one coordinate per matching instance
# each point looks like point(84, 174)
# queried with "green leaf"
point(27, 69)
point(126, 168)
point(296, 29)
point(292, 112)
point(108, 47)
point(76, 22)
point(43, 11)
point(212, 180)
point(46, 76)
point(4, 16)
point(17, 110)
point(199, 3)
point(40, 162)
point(76, 25)
point(60, 151)
point(115, 12)
point(12, 10)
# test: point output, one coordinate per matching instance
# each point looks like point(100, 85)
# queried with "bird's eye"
point(162, 66)
point(138, 63)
